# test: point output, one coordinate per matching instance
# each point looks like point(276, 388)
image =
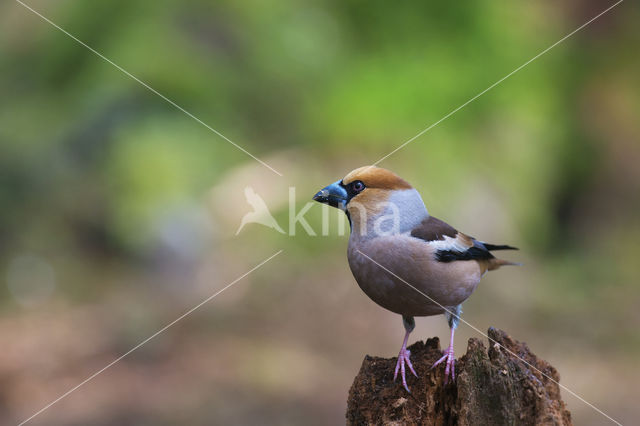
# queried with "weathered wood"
point(492, 388)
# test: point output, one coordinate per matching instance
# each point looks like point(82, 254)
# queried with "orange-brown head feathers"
point(379, 186)
point(376, 177)
point(376, 200)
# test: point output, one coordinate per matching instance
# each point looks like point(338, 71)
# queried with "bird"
point(406, 260)
point(260, 213)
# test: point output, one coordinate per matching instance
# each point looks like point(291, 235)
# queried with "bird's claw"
point(403, 357)
point(451, 364)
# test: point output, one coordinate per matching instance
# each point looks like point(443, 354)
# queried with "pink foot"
point(451, 364)
point(403, 357)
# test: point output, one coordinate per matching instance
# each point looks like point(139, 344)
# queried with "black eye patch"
point(353, 188)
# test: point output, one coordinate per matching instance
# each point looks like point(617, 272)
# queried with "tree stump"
point(491, 388)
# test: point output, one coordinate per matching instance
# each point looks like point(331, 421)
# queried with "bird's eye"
point(358, 186)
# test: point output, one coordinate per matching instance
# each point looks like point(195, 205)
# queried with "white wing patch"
point(449, 244)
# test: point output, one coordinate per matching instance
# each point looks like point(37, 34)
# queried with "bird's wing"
point(452, 245)
point(433, 229)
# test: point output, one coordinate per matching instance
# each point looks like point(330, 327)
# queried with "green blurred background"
point(118, 212)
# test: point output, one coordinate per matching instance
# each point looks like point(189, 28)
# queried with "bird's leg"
point(453, 318)
point(403, 356)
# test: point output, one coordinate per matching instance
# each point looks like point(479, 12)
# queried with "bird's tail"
point(492, 247)
point(496, 263)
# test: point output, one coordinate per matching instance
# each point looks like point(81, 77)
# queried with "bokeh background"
point(118, 212)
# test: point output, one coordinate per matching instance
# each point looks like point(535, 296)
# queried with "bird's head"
point(368, 192)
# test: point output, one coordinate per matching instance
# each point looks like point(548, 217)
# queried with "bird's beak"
point(334, 195)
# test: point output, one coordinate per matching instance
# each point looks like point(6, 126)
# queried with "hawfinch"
point(404, 259)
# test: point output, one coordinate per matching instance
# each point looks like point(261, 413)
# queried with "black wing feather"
point(492, 247)
point(433, 229)
point(479, 251)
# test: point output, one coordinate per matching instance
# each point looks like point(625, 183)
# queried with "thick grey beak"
point(334, 195)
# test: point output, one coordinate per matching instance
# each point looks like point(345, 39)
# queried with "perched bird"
point(398, 251)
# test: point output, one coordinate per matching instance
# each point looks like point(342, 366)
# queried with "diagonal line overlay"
point(127, 73)
point(490, 339)
point(100, 371)
point(497, 83)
